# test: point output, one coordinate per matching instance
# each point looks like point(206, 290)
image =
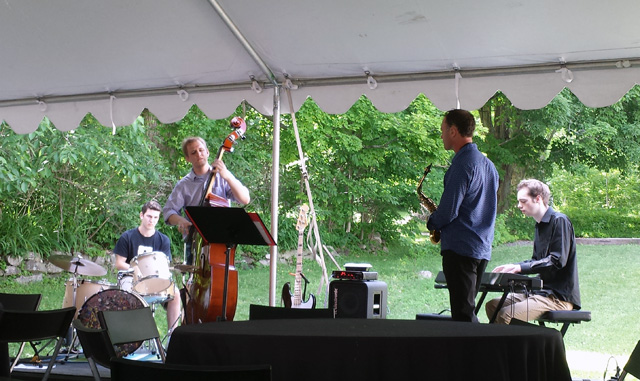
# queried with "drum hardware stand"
point(166, 337)
point(76, 265)
point(74, 335)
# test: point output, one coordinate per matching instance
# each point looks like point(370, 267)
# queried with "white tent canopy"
point(66, 58)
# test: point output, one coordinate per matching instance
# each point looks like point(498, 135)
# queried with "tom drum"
point(151, 274)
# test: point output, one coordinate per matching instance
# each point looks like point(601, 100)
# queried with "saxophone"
point(428, 204)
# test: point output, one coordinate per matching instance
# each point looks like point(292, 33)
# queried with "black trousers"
point(463, 275)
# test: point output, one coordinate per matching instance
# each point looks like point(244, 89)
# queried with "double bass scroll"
point(239, 128)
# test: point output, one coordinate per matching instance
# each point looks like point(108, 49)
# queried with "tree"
point(73, 190)
point(363, 165)
point(565, 133)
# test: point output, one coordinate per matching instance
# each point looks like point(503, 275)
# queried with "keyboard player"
point(554, 260)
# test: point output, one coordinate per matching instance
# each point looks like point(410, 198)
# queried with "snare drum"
point(161, 297)
point(152, 274)
point(86, 288)
point(111, 300)
point(125, 280)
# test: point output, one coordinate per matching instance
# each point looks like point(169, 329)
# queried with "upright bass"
point(206, 288)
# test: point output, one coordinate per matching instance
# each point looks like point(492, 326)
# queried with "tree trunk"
point(494, 117)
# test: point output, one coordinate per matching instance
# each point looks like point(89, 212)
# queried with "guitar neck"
point(297, 290)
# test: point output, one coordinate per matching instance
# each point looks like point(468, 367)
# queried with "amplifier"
point(354, 275)
point(365, 299)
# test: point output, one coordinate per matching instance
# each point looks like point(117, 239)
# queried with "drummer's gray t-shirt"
point(131, 243)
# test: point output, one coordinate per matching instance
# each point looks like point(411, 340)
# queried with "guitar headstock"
point(302, 218)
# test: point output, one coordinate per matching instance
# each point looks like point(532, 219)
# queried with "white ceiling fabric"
point(72, 56)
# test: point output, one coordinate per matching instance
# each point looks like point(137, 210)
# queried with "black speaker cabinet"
point(366, 299)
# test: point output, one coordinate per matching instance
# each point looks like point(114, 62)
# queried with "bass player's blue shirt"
point(466, 214)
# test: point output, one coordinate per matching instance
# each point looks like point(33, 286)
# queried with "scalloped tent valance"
point(114, 58)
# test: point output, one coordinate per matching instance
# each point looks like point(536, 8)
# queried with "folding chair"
point(131, 370)
point(129, 326)
point(20, 302)
point(632, 366)
point(96, 346)
point(22, 326)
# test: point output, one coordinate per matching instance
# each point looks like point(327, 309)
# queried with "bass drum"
point(85, 289)
point(111, 300)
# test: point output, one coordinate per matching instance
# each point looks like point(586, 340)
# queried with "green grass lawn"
point(608, 276)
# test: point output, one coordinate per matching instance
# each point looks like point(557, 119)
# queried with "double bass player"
point(189, 190)
point(204, 298)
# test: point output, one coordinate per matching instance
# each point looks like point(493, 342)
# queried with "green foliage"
point(603, 224)
point(79, 190)
point(561, 136)
point(600, 204)
point(603, 138)
point(68, 191)
point(363, 166)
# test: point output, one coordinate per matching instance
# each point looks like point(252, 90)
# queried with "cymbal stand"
point(74, 335)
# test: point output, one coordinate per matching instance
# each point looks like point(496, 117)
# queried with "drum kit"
point(147, 283)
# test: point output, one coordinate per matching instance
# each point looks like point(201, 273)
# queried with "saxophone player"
point(466, 214)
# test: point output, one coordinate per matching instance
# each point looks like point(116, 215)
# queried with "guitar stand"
point(306, 282)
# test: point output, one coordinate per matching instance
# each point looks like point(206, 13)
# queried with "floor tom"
point(161, 297)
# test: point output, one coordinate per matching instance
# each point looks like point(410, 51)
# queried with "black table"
point(361, 349)
point(5, 368)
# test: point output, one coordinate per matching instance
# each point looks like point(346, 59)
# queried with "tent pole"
point(275, 185)
point(241, 38)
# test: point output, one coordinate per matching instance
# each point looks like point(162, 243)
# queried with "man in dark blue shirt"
point(143, 240)
point(554, 258)
point(466, 214)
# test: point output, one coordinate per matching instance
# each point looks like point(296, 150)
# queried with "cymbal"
point(185, 268)
point(77, 265)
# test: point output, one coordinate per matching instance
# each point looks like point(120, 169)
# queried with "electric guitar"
point(295, 300)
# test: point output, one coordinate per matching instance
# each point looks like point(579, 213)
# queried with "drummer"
point(145, 239)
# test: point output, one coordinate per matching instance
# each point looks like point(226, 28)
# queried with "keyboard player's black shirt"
point(554, 257)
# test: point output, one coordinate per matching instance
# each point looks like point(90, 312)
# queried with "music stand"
point(232, 227)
